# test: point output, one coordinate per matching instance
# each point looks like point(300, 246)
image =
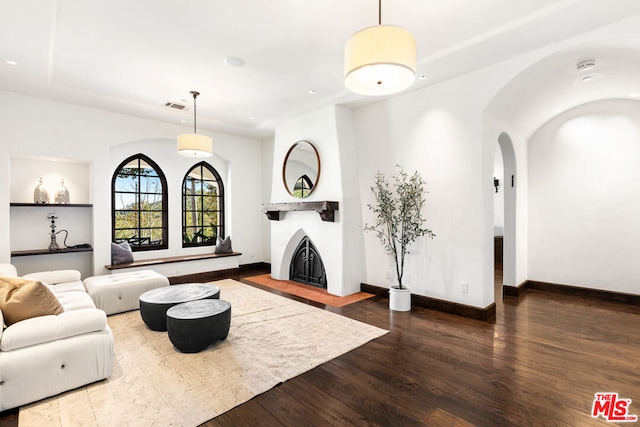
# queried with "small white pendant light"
point(380, 60)
point(192, 144)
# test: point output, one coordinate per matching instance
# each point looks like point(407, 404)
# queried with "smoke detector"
point(586, 65)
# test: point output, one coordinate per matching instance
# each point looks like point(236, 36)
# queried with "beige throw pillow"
point(22, 299)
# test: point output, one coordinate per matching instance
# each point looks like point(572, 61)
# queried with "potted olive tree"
point(399, 223)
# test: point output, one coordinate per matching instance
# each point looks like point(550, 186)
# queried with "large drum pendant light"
point(380, 60)
point(192, 144)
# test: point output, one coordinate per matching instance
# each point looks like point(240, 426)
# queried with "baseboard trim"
point(209, 276)
point(375, 290)
point(514, 291)
point(588, 293)
point(206, 276)
point(485, 314)
point(255, 266)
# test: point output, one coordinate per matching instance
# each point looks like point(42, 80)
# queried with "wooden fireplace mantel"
point(325, 209)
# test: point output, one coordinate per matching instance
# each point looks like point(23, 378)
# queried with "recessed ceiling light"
point(590, 79)
point(313, 92)
point(183, 121)
point(10, 62)
point(423, 77)
point(252, 118)
point(234, 61)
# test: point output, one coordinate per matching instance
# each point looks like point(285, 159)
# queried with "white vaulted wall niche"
point(584, 210)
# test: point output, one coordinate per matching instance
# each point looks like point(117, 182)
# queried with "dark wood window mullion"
point(139, 201)
point(137, 210)
point(201, 201)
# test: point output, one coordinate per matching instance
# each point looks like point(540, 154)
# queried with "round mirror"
point(301, 169)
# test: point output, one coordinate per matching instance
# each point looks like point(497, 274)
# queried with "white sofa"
point(47, 355)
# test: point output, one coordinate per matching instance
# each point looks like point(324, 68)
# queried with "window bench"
point(169, 260)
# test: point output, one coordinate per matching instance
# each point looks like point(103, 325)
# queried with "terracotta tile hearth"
point(306, 291)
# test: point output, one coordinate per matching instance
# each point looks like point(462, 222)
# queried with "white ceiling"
point(132, 56)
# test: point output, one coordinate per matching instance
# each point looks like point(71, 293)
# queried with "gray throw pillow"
point(223, 246)
point(121, 253)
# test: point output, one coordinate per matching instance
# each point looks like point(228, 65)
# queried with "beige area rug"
point(271, 340)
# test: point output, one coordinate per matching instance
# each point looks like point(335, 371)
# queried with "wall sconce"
point(496, 183)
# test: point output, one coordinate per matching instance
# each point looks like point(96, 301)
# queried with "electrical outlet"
point(464, 287)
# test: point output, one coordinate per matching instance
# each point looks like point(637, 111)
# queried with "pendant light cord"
point(195, 95)
point(379, 12)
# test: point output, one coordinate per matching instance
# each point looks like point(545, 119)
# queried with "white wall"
point(514, 202)
point(34, 127)
point(339, 243)
point(507, 114)
point(448, 132)
point(26, 171)
point(584, 209)
point(175, 167)
point(267, 175)
point(437, 131)
point(515, 261)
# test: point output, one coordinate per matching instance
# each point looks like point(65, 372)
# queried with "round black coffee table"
point(155, 303)
point(194, 326)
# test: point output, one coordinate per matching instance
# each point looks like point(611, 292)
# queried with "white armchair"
point(47, 355)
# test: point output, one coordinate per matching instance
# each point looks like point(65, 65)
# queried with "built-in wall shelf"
point(48, 252)
point(26, 217)
point(325, 209)
point(50, 205)
point(30, 223)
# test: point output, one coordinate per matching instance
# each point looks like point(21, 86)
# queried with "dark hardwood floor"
point(538, 364)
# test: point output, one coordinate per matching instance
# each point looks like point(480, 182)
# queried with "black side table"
point(155, 303)
point(194, 326)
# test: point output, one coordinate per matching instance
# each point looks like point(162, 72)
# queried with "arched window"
point(303, 187)
point(202, 206)
point(139, 204)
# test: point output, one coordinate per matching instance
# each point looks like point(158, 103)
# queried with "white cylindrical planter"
point(399, 299)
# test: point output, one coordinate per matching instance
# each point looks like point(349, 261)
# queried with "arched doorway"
point(508, 188)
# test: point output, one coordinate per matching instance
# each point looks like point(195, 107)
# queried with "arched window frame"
point(199, 234)
point(303, 187)
point(142, 238)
